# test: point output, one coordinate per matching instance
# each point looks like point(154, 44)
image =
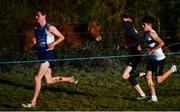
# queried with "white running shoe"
point(29, 105)
point(142, 74)
point(174, 68)
point(153, 99)
point(74, 81)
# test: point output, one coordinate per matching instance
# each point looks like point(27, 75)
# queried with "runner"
point(45, 44)
point(132, 44)
point(156, 57)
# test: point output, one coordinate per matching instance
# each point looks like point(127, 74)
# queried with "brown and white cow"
point(76, 35)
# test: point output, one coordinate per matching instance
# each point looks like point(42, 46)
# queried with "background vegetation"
point(106, 12)
point(101, 88)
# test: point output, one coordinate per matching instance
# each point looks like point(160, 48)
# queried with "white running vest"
point(157, 54)
point(50, 39)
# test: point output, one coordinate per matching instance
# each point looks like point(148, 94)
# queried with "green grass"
point(101, 89)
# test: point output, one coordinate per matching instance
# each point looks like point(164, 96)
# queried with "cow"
point(76, 35)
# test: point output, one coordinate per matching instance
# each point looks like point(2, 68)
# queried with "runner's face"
point(39, 17)
point(146, 26)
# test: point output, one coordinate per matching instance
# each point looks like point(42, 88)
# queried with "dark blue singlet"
point(41, 37)
point(42, 46)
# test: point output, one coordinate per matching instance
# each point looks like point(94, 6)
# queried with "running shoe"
point(141, 97)
point(28, 105)
point(74, 81)
point(153, 100)
point(174, 68)
point(141, 74)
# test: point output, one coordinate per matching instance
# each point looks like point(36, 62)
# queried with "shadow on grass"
point(7, 107)
point(11, 83)
point(68, 90)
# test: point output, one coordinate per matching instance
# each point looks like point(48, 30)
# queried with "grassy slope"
point(101, 88)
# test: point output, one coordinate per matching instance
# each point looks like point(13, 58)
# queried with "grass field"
point(101, 89)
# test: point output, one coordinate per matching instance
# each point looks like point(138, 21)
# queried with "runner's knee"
point(125, 77)
point(48, 81)
point(36, 78)
point(132, 81)
point(159, 80)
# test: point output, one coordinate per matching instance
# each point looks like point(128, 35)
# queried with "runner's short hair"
point(43, 10)
point(127, 15)
point(148, 19)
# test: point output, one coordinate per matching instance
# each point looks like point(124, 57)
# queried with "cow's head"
point(94, 30)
